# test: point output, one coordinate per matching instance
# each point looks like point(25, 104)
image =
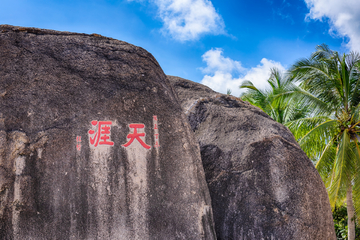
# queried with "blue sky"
point(218, 43)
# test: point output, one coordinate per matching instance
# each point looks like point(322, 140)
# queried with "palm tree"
point(330, 136)
point(278, 101)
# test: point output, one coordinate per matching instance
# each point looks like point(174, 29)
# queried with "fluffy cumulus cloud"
point(343, 16)
point(189, 19)
point(223, 73)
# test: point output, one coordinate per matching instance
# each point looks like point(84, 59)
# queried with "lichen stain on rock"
point(98, 163)
point(206, 218)
point(16, 181)
point(137, 190)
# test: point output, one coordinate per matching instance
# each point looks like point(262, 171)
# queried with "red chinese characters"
point(78, 143)
point(136, 135)
point(102, 135)
point(156, 131)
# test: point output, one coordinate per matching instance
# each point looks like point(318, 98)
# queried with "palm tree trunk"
point(351, 213)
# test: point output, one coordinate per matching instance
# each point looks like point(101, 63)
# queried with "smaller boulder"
point(262, 185)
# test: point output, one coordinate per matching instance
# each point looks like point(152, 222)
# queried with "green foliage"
point(330, 136)
point(319, 101)
point(280, 101)
point(340, 223)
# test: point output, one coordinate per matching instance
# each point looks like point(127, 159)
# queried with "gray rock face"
point(93, 143)
point(262, 185)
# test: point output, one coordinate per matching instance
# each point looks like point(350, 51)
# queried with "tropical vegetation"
point(340, 223)
point(319, 100)
point(276, 101)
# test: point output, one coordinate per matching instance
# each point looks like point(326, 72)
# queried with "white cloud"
point(189, 19)
point(224, 73)
point(217, 62)
point(343, 16)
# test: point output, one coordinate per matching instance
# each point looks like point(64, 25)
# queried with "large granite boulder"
point(262, 184)
point(93, 143)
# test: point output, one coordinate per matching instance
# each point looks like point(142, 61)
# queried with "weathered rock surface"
point(75, 162)
point(262, 185)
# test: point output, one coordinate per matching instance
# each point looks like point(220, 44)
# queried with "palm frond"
point(354, 60)
point(356, 184)
point(301, 126)
point(341, 175)
point(327, 157)
point(356, 194)
point(316, 139)
point(248, 84)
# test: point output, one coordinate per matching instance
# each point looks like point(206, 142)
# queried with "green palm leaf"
point(316, 139)
point(341, 169)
